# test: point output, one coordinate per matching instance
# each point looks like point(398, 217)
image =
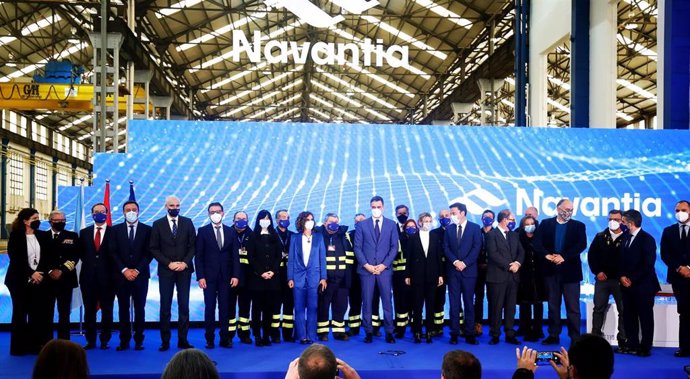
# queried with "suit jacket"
point(135, 256)
point(501, 252)
point(368, 250)
point(674, 253)
point(264, 252)
point(19, 271)
point(575, 241)
point(638, 263)
point(65, 252)
point(423, 269)
point(307, 276)
point(213, 263)
point(465, 250)
point(96, 266)
point(167, 249)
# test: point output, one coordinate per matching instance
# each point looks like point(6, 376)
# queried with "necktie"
point(55, 236)
point(131, 234)
point(628, 242)
point(377, 230)
point(174, 228)
point(97, 240)
point(218, 238)
point(459, 232)
point(684, 233)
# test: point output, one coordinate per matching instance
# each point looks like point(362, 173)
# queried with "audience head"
point(61, 359)
point(458, 364)
point(317, 362)
point(190, 363)
point(591, 357)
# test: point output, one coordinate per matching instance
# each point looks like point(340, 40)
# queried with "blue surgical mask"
point(99, 217)
point(410, 230)
point(530, 228)
point(174, 212)
point(511, 225)
point(241, 224)
point(445, 221)
point(487, 221)
point(284, 223)
point(333, 227)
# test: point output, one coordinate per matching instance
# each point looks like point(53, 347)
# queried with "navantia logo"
point(316, 17)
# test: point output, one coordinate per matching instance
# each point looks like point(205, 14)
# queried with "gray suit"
point(502, 284)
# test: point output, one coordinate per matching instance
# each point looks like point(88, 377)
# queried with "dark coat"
point(575, 241)
point(264, 252)
point(420, 268)
point(167, 249)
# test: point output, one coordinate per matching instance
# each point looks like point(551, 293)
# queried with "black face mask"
point(58, 226)
point(402, 218)
point(35, 224)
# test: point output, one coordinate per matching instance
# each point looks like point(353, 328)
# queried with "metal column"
point(521, 61)
point(3, 189)
point(579, 65)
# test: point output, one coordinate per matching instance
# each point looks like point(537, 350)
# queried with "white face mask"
point(309, 225)
point(216, 218)
point(682, 216)
point(376, 212)
point(614, 225)
point(264, 223)
point(131, 217)
point(426, 226)
point(455, 219)
point(530, 228)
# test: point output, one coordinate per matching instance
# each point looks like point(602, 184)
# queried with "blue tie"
point(377, 231)
point(174, 229)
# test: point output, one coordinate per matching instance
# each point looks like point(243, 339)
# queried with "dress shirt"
point(424, 236)
point(306, 248)
point(222, 235)
point(103, 227)
point(33, 250)
point(614, 235)
point(170, 224)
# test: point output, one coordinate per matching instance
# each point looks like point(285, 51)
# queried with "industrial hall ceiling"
point(350, 61)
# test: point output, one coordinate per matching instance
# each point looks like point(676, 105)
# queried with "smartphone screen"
point(543, 357)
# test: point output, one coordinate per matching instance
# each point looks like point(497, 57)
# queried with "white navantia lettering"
point(587, 206)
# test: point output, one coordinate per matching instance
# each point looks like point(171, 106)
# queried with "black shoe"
point(246, 340)
point(428, 338)
point(399, 334)
point(377, 332)
point(417, 338)
point(368, 338)
point(266, 342)
point(624, 350)
point(275, 339)
point(122, 347)
point(520, 332)
point(681, 353)
point(323, 337)
point(513, 341)
point(210, 345)
point(472, 340)
point(225, 344)
point(493, 341)
point(531, 337)
point(258, 342)
point(550, 340)
point(453, 339)
point(105, 346)
point(139, 347)
point(184, 345)
point(644, 353)
point(89, 346)
point(353, 332)
point(164, 347)
point(390, 338)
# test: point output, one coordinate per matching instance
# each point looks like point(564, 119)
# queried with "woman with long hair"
point(61, 359)
point(531, 292)
point(306, 275)
point(32, 324)
point(264, 252)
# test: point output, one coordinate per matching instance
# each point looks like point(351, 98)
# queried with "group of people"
point(269, 280)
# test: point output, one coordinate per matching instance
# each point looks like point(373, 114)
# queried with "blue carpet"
point(248, 361)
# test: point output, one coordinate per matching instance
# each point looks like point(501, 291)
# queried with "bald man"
point(173, 239)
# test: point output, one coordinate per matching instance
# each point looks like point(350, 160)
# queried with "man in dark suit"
point(401, 292)
point(354, 316)
point(95, 278)
point(424, 274)
point(505, 256)
point(217, 271)
point(675, 252)
point(442, 290)
point(64, 246)
point(172, 244)
point(640, 284)
point(461, 245)
point(376, 243)
point(559, 241)
point(129, 246)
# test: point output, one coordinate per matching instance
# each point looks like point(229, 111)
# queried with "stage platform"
point(374, 360)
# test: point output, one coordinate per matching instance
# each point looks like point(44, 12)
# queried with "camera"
point(544, 357)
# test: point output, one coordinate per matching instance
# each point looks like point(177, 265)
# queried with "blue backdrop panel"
point(337, 168)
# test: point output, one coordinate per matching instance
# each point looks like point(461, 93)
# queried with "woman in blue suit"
point(306, 274)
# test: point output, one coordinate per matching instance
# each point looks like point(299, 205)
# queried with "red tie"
point(97, 240)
